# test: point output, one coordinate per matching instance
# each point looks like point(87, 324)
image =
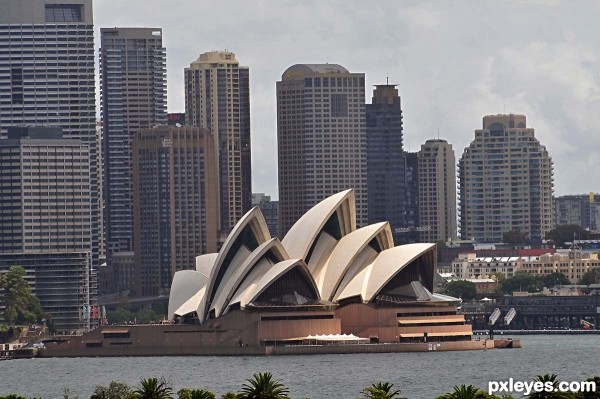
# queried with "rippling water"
point(418, 375)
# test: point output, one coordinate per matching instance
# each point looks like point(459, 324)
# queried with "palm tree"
point(153, 388)
point(229, 395)
point(550, 379)
point(263, 386)
point(466, 392)
point(195, 394)
point(381, 390)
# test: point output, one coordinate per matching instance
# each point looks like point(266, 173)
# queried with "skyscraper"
point(321, 139)
point(410, 233)
point(437, 191)
point(506, 182)
point(581, 209)
point(46, 227)
point(217, 98)
point(175, 203)
point(386, 180)
point(133, 96)
point(47, 76)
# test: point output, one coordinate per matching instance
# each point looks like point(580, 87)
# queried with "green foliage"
point(550, 395)
point(187, 393)
point(230, 395)
point(515, 237)
point(461, 289)
point(146, 316)
point(263, 386)
point(13, 396)
point(381, 390)
point(554, 279)
point(153, 388)
point(20, 304)
point(521, 281)
point(466, 392)
point(591, 395)
point(115, 390)
point(565, 233)
point(120, 315)
point(589, 277)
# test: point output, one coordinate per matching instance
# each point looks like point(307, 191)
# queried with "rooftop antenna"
point(438, 133)
point(387, 80)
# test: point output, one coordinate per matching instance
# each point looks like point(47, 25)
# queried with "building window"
point(339, 105)
point(64, 12)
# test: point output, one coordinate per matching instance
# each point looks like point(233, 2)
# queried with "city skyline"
point(450, 73)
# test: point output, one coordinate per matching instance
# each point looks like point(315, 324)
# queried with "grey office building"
point(133, 96)
point(45, 218)
point(321, 139)
point(581, 209)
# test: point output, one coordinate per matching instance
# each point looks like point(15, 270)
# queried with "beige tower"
point(506, 182)
point(321, 138)
point(437, 191)
point(217, 98)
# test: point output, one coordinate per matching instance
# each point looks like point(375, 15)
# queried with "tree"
point(565, 233)
point(20, 304)
point(115, 390)
point(554, 394)
point(466, 392)
point(515, 237)
point(187, 393)
point(229, 395)
point(381, 390)
point(589, 277)
point(554, 279)
point(521, 281)
point(461, 289)
point(153, 388)
point(591, 395)
point(263, 386)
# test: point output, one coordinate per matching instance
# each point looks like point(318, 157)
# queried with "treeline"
point(265, 386)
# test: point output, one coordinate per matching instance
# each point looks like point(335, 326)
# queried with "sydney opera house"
point(325, 279)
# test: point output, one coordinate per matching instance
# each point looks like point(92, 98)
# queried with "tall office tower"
point(133, 96)
point(46, 227)
point(506, 182)
point(386, 181)
point(217, 98)
point(582, 210)
point(321, 139)
point(437, 191)
point(175, 203)
point(270, 210)
point(410, 233)
point(47, 75)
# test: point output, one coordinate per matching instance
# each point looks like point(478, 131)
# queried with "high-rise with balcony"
point(506, 182)
point(133, 96)
point(386, 172)
point(321, 139)
point(217, 98)
point(47, 76)
point(175, 203)
point(437, 191)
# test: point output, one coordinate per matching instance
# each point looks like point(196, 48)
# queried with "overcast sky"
point(453, 61)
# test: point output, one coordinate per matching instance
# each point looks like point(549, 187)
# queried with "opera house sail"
point(324, 277)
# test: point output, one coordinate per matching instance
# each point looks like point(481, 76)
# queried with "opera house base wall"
point(186, 340)
point(404, 324)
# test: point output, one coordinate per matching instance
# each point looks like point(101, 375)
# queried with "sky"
point(453, 62)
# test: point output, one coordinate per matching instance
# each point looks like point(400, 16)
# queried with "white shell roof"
point(302, 234)
point(346, 251)
point(340, 267)
point(234, 277)
point(258, 286)
point(253, 218)
point(186, 284)
point(369, 281)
